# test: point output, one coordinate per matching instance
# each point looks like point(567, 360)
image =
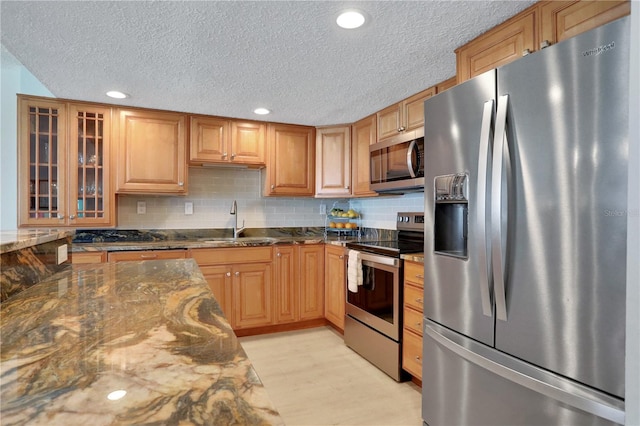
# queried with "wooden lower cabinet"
point(241, 280)
point(127, 256)
point(88, 257)
point(412, 318)
point(335, 285)
point(299, 282)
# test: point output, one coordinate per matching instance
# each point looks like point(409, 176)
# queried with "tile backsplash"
point(212, 191)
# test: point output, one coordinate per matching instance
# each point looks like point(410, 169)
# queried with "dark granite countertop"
point(11, 240)
point(152, 329)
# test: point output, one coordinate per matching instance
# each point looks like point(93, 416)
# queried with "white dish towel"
point(354, 271)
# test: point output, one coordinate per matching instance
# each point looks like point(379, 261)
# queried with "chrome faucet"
point(234, 212)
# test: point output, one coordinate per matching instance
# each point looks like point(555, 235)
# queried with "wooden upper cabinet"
point(219, 140)
point(363, 134)
point(500, 45)
point(151, 152)
point(333, 161)
point(291, 160)
point(560, 20)
point(446, 85)
point(64, 157)
point(404, 116)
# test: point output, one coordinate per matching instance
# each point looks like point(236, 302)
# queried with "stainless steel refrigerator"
point(525, 239)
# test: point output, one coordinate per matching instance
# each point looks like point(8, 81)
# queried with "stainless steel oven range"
point(373, 322)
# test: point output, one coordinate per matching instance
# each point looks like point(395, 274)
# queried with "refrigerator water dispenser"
point(451, 215)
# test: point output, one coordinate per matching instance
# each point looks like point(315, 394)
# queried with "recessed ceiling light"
point(350, 19)
point(261, 111)
point(116, 94)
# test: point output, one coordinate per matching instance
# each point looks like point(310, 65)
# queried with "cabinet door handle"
point(224, 155)
point(273, 187)
point(148, 256)
point(419, 300)
point(401, 129)
point(71, 216)
point(228, 274)
point(180, 183)
point(278, 254)
point(419, 324)
point(418, 359)
point(341, 257)
point(233, 156)
point(237, 273)
point(61, 216)
point(525, 52)
point(420, 276)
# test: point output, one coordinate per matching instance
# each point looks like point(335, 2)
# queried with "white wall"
point(212, 190)
point(15, 78)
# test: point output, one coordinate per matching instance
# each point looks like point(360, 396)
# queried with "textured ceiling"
point(227, 58)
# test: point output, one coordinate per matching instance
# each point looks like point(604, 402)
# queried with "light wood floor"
point(313, 378)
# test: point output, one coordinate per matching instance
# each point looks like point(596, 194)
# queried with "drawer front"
point(413, 320)
point(224, 256)
point(126, 256)
point(412, 354)
point(414, 273)
point(413, 297)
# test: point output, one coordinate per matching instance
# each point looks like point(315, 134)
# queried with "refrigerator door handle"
point(484, 254)
point(528, 376)
point(500, 156)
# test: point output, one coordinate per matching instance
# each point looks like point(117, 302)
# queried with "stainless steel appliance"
point(525, 242)
point(397, 164)
point(373, 321)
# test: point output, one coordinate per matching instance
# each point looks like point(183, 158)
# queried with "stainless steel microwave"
point(397, 164)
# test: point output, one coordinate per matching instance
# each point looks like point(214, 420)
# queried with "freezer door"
point(466, 383)
point(452, 133)
point(564, 262)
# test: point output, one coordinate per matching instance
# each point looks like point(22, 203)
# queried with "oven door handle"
point(384, 260)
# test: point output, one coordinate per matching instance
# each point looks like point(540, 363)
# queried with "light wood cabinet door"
point(498, 46)
point(286, 283)
point(446, 85)
point(151, 152)
point(291, 161)
point(560, 20)
point(404, 116)
point(248, 142)
point(333, 161)
point(251, 295)
point(128, 256)
point(219, 280)
point(64, 162)
point(209, 139)
point(335, 285)
point(412, 353)
point(413, 109)
point(389, 121)
point(88, 257)
point(216, 140)
point(311, 279)
point(363, 134)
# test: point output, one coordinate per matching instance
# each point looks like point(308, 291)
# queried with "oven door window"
point(376, 294)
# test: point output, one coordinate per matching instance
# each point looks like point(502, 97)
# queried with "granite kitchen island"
point(152, 329)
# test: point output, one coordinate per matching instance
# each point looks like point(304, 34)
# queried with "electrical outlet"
point(142, 207)
point(323, 209)
point(188, 207)
point(63, 254)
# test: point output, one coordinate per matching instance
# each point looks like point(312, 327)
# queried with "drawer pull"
point(419, 325)
point(420, 276)
point(419, 300)
point(148, 256)
point(418, 359)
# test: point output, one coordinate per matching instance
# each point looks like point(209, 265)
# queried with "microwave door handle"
point(498, 220)
point(484, 253)
point(412, 146)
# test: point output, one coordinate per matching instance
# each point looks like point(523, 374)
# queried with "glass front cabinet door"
point(64, 164)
